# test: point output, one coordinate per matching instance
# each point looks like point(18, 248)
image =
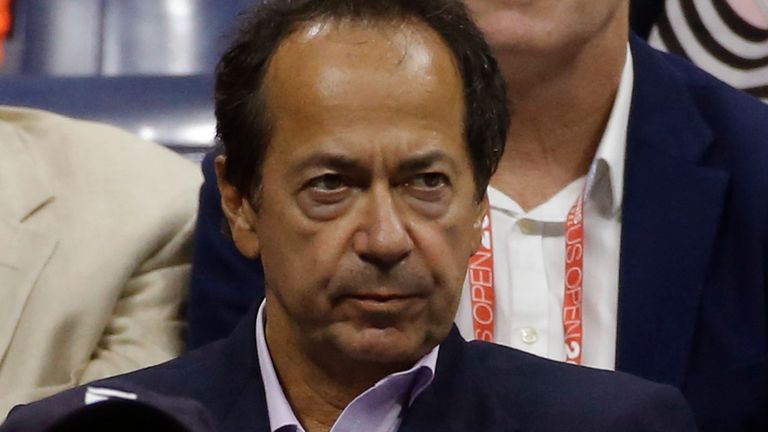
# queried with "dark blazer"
point(477, 387)
point(693, 302)
point(693, 305)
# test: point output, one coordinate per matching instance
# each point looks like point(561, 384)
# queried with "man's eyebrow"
point(344, 163)
point(420, 162)
point(334, 161)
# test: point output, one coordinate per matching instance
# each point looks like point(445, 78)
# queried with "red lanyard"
point(481, 284)
point(482, 290)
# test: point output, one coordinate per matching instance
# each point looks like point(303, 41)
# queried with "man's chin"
point(384, 345)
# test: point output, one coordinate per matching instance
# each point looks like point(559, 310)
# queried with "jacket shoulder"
point(738, 121)
point(188, 375)
point(735, 123)
point(68, 147)
point(547, 392)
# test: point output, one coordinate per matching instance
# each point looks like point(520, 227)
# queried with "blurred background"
point(143, 65)
point(147, 65)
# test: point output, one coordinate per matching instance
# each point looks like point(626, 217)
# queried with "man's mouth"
point(381, 297)
point(383, 302)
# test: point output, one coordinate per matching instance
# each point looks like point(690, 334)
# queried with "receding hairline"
point(417, 33)
point(315, 27)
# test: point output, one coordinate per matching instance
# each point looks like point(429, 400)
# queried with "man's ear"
point(240, 215)
point(478, 226)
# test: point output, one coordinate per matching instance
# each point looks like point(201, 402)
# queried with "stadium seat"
point(174, 111)
point(125, 37)
point(143, 65)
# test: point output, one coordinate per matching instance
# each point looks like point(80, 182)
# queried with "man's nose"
point(383, 239)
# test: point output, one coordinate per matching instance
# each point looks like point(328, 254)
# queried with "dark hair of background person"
point(242, 113)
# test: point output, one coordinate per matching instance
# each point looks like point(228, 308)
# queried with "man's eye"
point(327, 183)
point(429, 181)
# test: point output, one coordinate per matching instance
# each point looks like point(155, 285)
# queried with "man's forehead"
point(345, 76)
point(360, 88)
point(358, 31)
point(326, 50)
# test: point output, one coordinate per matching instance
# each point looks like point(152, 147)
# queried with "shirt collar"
point(610, 156)
point(550, 211)
point(279, 410)
point(605, 179)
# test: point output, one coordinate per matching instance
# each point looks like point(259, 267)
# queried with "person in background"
point(665, 275)
point(95, 228)
point(224, 283)
point(359, 138)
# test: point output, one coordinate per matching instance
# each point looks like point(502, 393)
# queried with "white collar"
point(611, 152)
point(605, 179)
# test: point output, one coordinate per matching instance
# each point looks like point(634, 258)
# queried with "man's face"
point(531, 26)
point(367, 215)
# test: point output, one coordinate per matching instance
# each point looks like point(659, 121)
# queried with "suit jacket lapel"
point(239, 399)
point(23, 251)
point(457, 400)
point(672, 207)
point(249, 413)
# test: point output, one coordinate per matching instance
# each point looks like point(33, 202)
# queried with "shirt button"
point(529, 335)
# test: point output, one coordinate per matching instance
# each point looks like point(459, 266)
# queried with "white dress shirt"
point(529, 255)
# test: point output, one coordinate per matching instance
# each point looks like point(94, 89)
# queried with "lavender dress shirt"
point(378, 409)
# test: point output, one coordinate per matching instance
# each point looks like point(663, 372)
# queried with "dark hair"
point(242, 114)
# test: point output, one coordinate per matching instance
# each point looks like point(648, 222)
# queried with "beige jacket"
point(95, 228)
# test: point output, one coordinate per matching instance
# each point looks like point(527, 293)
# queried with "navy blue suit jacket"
point(477, 387)
point(693, 305)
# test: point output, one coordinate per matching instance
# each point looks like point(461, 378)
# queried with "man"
point(359, 139)
point(674, 236)
point(95, 228)
point(671, 166)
